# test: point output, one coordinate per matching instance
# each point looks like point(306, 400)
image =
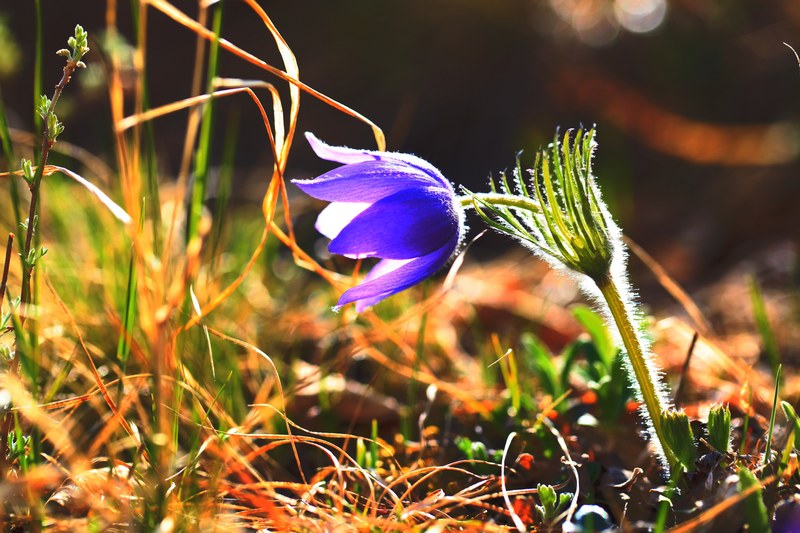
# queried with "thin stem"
point(6, 428)
point(505, 200)
point(47, 144)
point(6, 267)
point(638, 361)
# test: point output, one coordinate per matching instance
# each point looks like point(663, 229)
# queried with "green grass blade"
point(541, 362)
point(148, 161)
point(596, 327)
point(792, 430)
point(128, 317)
point(204, 143)
point(129, 309)
point(768, 447)
point(765, 330)
point(11, 162)
point(37, 73)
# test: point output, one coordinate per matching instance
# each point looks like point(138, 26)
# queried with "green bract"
point(719, 428)
point(570, 224)
point(678, 433)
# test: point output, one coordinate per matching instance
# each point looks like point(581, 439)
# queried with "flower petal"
point(397, 276)
point(337, 215)
point(405, 225)
point(365, 182)
point(339, 154)
point(347, 156)
point(384, 266)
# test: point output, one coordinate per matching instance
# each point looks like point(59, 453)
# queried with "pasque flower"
point(393, 206)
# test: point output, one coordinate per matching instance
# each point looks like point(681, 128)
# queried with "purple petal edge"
point(365, 182)
point(408, 275)
point(345, 155)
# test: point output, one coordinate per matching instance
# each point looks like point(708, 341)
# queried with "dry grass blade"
point(270, 199)
point(267, 358)
point(672, 287)
point(48, 170)
point(95, 165)
point(181, 18)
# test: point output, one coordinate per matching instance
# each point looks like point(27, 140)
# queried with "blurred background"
point(696, 101)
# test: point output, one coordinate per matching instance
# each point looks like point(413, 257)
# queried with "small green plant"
point(755, 512)
point(719, 428)
point(767, 458)
point(791, 437)
point(678, 432)
point(552, 503)
point(596, 361)
point(552, 372)
point(52, 128)
point(604, 372)
point(484, 458)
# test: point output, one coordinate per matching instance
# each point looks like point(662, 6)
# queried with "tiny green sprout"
point(27, 170)
point(6, 354)
point(473, 450)
point(54, 127)
point(34, 255)
point(78, 43)
point(679, 437)
point(719, 428)
point(361, 453)
point(43, 104)
point(552, 503)
point(791, 434)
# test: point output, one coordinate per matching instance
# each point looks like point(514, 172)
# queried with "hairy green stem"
point(504, 200)
point(639, 363)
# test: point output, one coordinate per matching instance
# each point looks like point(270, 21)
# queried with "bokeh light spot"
point(640, 16)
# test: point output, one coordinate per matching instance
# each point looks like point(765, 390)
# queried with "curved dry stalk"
point(186, 21)
point(510, 508)
point(573, 505)
point(266, 357)
point(428, 472)
point(270, 199)
point(671, 286)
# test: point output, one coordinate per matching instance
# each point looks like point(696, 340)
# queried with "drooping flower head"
point(393, 206)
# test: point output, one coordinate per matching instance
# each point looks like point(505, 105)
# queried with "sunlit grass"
point(186, 371)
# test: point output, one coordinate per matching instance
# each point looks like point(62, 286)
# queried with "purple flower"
point(394, 206)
